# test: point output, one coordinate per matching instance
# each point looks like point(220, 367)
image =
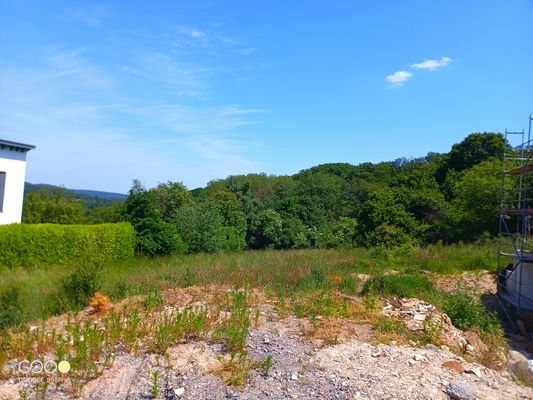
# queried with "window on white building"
point(2, 189)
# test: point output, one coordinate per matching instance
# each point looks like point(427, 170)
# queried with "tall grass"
point(46, 291)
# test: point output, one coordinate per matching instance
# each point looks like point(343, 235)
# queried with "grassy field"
point(33, 294)
point(40, 293)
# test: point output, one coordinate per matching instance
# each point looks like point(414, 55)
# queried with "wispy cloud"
point(399, 78)
point(183, 79)
point(90, 14)
point(247, 51)
point(89, 124)
point(432, 64)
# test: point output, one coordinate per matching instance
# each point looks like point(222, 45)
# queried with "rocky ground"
point(311, 366)
point(351, 370)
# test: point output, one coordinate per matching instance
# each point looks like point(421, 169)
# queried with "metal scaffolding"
point(515, 258)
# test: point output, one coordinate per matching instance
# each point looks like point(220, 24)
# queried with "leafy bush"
point(155, 237)
point(468, 313)
point(80, 285)
point(49, 244)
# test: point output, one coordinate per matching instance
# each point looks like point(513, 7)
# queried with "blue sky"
point(192, 91)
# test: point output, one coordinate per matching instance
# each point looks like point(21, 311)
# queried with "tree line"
point(443, 196)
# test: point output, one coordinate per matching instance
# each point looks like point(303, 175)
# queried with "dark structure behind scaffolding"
point(515, 253)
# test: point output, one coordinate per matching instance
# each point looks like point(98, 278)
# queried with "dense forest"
point(450, 197)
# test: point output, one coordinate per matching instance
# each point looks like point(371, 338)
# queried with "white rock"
point(179, 391)
point(515, 356)
point(419, 317)
point(419, 357)
point(476, 371)
point(294, 377)
point(523, 370)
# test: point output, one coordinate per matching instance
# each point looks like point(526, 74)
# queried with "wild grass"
point(42, 292)
point(469, 314)
point(403, 286)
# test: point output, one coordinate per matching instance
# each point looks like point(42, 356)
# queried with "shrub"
point(49, 244)
point(80, 285)
point(156, 237)
point(468, 313)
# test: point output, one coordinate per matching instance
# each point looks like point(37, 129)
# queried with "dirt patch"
point(479, 283)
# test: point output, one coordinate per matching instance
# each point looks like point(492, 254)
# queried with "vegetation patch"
point(48, 244)
point(404, 286)
point(468, 313)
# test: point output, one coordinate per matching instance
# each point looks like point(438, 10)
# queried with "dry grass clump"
point(100, 303)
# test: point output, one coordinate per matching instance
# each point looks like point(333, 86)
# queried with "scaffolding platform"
point(517, 211)
point(528, 257)
point(515, 279)
point(525, 303)
point(520, 170)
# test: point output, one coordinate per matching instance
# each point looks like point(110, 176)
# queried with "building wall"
point(14, 165)
point(513, 282)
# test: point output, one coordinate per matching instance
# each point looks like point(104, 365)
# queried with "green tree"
point(267, 229)
point(154, 236)
point(54, 206)
point(169, 197)
point(474, 149)
point(477, 201)
point(384, 220)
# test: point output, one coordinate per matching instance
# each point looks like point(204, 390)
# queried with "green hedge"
point(30, 245)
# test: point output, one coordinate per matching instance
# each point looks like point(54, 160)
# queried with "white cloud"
point(433, 64)
point(196, 34)
point(247, 51)
point(399, 78)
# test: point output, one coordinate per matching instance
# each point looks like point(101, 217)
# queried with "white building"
point(12, 177)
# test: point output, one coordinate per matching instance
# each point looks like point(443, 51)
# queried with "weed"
point(401, 286)
point(349, 285)
point(323, 303)
point(40, 388)
point(156, 388)
point(393, 330)
point(175, 326)
point(189, 278)
point(266, 365)
point(235, 328)
point(257, 315)
point(153, 299)
point(236, 369)
point(132, 329)
point(10, 307)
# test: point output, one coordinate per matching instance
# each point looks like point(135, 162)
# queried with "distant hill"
point(91, 198)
